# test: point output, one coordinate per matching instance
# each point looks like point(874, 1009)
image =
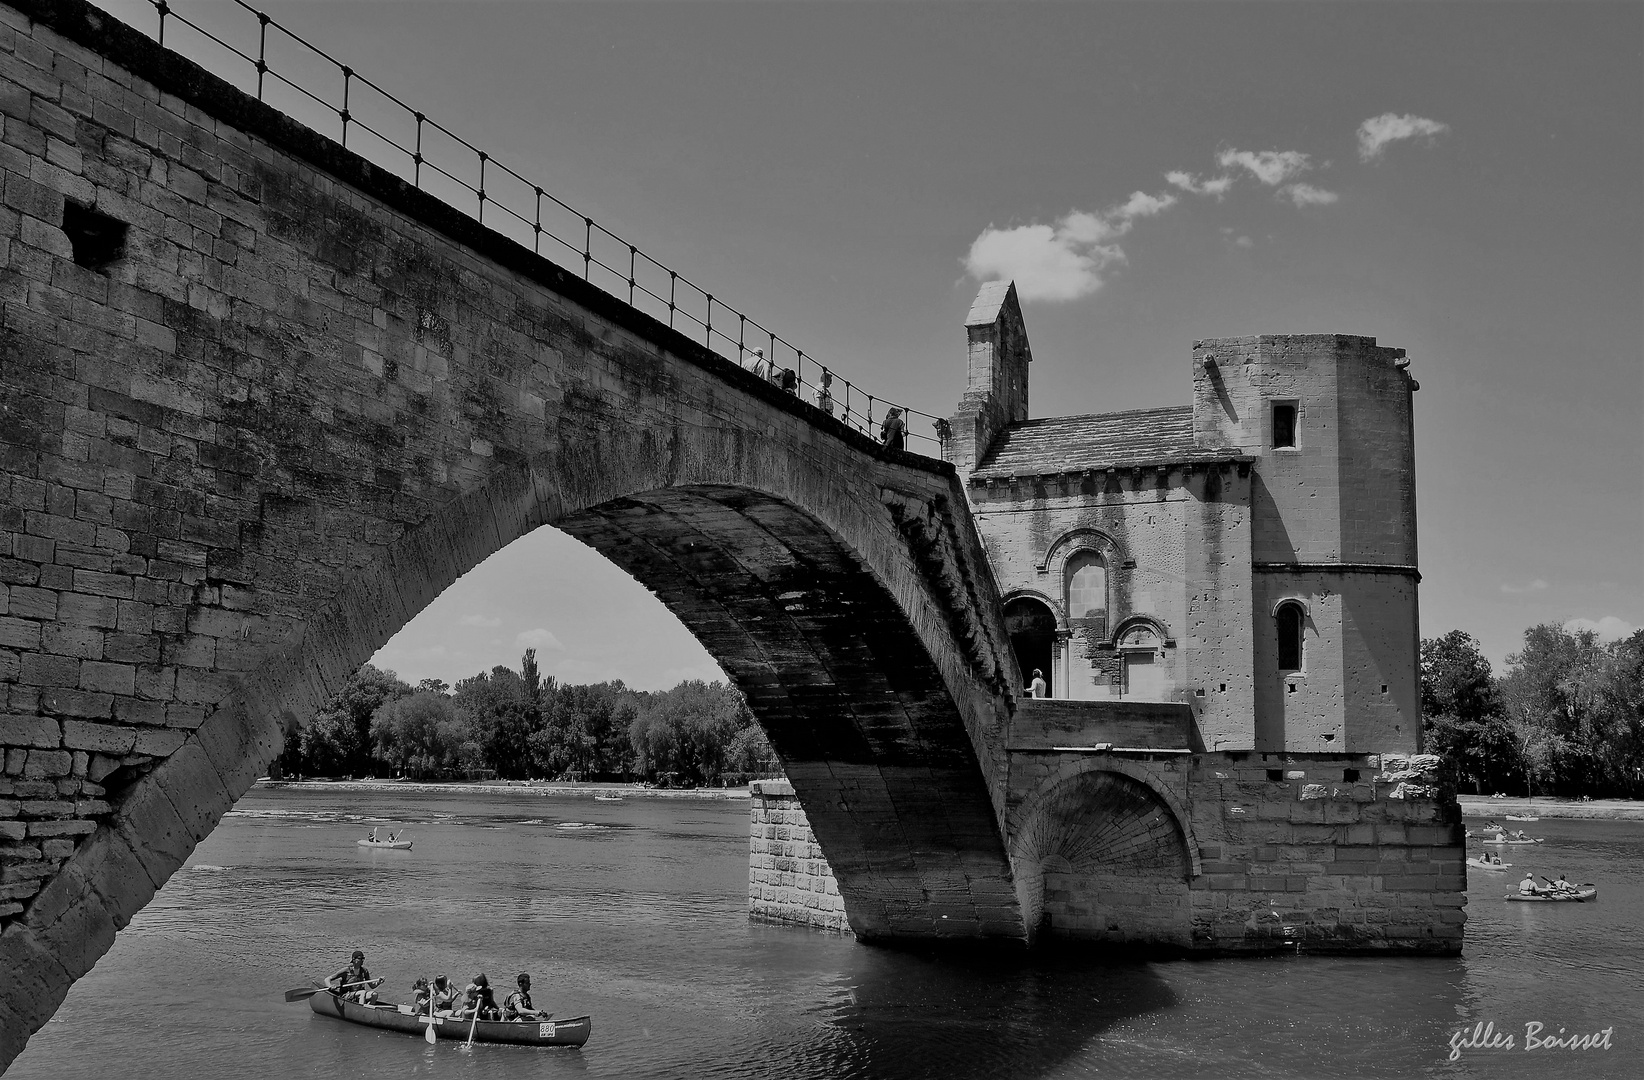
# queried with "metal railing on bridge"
point(396, 137)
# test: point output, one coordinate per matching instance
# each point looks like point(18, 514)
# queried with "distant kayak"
point(1505, 840)
point(396, 845)
point(607, 798)
point(1571, 896)
point(572, 1032)
point(1480, 864)
point(1530, 817)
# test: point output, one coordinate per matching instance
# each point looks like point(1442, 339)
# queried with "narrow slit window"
point(1290, 637)
point(1284, 423)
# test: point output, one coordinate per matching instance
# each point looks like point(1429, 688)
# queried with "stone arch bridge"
point(242, 444)
point(304, 399)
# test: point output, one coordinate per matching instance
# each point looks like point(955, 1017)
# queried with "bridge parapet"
point(1041, 724)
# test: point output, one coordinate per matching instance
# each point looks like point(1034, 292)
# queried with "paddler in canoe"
point(518, 1005)
point(481, 1002)
point(364, 987)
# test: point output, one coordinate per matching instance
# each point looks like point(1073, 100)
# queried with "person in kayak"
point(518, 1005)
point(1562, 885)
point(352, 977)
point(1528, 886)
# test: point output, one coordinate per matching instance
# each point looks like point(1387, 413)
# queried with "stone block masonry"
point(1203, 854)
point(789, 880)
point(1228, 853)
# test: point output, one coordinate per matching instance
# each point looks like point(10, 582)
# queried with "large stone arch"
point(1103, 852)
point(236, 471)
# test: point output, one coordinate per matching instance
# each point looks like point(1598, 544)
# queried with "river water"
point(635, 912)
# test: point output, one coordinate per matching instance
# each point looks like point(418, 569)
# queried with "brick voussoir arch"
point(1030, 808)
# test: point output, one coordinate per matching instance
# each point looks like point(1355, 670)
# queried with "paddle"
point(471, 1027)
point(301, 992)
point(428, 1033)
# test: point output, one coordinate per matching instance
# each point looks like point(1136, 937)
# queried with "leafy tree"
point(338, 738)
point(686, 731)
point(419, 734)
point(496, 710)
point(1462, 721)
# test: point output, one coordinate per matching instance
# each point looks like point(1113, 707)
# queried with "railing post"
point(416, 156)
point(262, 51)
point(348, 78)
point(483, 156)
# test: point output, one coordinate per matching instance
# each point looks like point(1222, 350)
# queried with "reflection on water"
point(635, 912)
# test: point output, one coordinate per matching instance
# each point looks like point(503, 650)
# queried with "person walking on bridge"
point(824, 392)
point(893, 432)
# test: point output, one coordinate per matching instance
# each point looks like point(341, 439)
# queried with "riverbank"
point(1597, 810)
point(508, 787)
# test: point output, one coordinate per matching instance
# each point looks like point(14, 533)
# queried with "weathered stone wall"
point(789, 880)
point(1333, 525)
point(1234, 853)
point(1173, 556)
point(303, 400)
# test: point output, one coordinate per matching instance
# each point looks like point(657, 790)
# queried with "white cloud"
point(1271, 167)
point(1376, 132)
point(1514, 590)
point(1308, 195)
point(1191, 184)
point(484, 622)
point(1236, 238)
point(539, 639)
point(1064, 261)
point(1609, 628)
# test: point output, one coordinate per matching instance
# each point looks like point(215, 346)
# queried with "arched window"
point(1290, 620)
point(1087, 588)
point(1032, 629)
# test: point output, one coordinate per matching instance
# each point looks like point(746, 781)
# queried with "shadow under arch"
point(1099, 836)
point(844, 659)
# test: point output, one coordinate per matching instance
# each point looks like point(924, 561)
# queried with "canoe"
point(394, 845)
point(571, 1032)
point(1480, 864)
point(1532, 840)
point(1531, 817)
point(607, 798)
point(1575, 897)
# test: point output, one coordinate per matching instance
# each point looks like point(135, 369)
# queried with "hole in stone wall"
point(1384, 688)
point(1275, 775)
point(97, 239)
point(1349, 775)
point(1224, 688)
point(1292, 688)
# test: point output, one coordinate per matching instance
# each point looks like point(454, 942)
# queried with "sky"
point(1461, 180)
